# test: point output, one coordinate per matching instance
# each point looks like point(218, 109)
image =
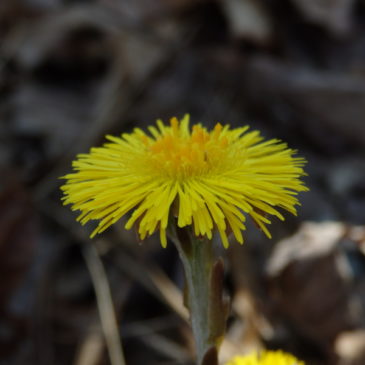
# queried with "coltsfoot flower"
point(206, 179)
point(266, 358)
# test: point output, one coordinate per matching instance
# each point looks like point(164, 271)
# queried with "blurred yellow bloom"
point(266, 358)
point(207, 179)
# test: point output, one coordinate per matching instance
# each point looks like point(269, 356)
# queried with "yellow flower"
point(207, 179)
point(266, 358)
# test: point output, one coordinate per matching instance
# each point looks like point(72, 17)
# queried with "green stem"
point(204, 277)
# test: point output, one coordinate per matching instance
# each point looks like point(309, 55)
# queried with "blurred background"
point(72, 71)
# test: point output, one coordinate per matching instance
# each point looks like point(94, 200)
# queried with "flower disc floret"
point(266, 358)
point(206, 179)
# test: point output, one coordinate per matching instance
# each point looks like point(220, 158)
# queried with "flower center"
point(180, 153)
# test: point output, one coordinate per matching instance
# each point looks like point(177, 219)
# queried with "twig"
point(169, 292)
point(105, 305)
point(91, 349)
point(155, 281)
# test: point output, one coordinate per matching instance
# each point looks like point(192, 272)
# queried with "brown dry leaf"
point(316, 279)
point(334, 15)
point(62, 55)
point(326, 101)
point(81, 60)
point(350, 347)
point(249, 20)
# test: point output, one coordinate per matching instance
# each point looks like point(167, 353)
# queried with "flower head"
point(207, 179)
point(266, 358)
